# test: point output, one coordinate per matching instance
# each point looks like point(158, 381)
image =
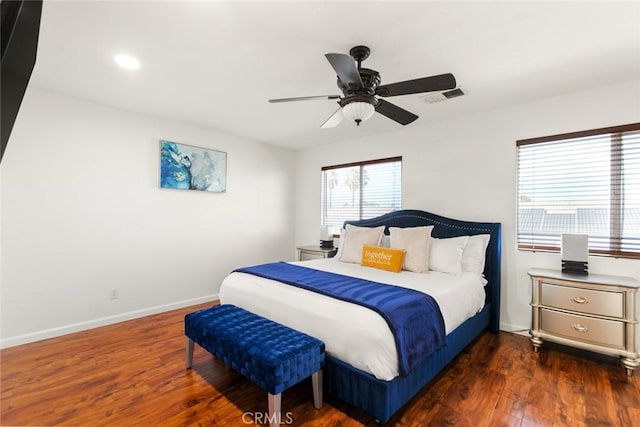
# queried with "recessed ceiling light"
point(126, 61)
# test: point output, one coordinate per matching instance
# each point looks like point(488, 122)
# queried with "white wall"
point(466, 169)
point(82, 213)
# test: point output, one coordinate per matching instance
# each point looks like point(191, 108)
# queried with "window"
point(360, 190)
point(584, 182)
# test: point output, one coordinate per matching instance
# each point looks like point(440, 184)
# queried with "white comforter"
point(352, 333)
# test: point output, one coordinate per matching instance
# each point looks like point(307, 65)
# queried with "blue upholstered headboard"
point(447, 227)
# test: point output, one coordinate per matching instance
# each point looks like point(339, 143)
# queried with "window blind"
point(360, 190)
point(584, 182)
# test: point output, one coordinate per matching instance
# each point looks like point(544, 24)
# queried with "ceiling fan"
point(361, 90)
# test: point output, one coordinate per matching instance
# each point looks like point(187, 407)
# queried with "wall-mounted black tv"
point(19, 40)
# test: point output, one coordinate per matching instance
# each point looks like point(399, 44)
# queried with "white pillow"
point(415, 242)
point(474, 253)
point(445, 255)
point(355, 238)
point(341, 239)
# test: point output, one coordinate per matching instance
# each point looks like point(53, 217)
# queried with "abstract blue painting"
point(192, 168)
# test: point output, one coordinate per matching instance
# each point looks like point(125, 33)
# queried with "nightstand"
point(591, 312)
point(314, 252)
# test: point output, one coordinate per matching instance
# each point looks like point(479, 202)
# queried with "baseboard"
point(103, 321)
point(515, 329)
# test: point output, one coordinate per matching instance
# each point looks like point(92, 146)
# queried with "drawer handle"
point(580, 328)
point(580, 300)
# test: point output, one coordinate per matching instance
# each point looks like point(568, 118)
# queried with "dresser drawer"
point(598, 331)
point(602, 303)
point(306, 256)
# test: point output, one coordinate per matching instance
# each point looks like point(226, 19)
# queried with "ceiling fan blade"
point(394, 112)
point(425, 84)
point(305, 98)
point(346, 69)
point(334, 120)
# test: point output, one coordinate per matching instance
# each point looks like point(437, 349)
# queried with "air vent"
point(453, 93)
point(431, 98)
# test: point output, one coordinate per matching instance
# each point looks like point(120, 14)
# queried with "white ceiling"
point(215, 64)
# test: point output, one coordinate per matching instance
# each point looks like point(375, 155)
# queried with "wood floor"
point(133, 374)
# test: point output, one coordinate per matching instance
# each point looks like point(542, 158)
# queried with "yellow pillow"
point(382, 258)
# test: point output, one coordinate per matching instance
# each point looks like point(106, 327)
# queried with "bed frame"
point(382, 399)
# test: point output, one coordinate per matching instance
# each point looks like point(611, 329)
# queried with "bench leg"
point(274, 409)
point(189, 353)
point(316, 381)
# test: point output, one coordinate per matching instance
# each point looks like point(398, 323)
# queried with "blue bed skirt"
point(382, 399)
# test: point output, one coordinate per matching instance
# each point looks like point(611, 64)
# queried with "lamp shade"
point(358, 111)
point(326, 232)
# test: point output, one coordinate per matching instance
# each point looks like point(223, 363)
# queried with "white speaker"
point(575, 253)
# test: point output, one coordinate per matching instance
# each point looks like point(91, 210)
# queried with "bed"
point(369, 383)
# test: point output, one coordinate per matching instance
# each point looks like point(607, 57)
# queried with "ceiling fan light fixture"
point(362, 90)
point(358, 111)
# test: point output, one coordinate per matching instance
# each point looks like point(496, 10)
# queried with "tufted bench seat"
point(271, 355)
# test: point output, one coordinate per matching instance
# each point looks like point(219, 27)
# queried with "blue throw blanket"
point(413, 317)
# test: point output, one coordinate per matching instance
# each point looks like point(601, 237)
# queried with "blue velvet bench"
point(271, 355)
